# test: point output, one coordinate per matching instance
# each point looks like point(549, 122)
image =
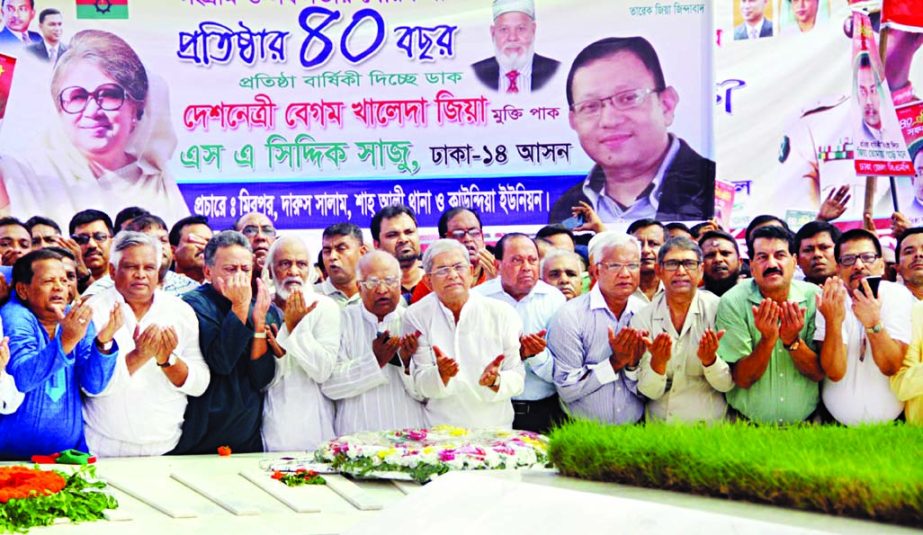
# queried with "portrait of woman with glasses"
point(110, 144)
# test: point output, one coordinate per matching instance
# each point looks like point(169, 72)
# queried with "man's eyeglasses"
point(83, 239)
point(622, 101)
point(251, 231)
point(617, 267)
point(444, 271)
point(373, 283)
point(460, 234)
point(108, 97)
point(850, 259)
point(673, 265)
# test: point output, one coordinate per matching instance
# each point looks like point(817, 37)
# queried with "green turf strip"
point(868, 472)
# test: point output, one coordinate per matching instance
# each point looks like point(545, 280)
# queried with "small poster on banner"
point(6, 80)
point(879, 142)
point(102, 9)
point(724, 202)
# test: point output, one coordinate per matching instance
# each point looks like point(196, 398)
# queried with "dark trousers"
point(538, 416)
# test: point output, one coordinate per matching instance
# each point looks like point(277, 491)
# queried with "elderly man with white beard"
point(296, 415)
point(515, 67)
point(371, 383)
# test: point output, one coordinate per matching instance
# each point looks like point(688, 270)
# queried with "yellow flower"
point(384, 454)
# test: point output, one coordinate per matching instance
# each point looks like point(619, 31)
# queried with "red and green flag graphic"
point(102, 9)
point(6, 80)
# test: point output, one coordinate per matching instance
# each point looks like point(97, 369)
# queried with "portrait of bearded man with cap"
point(515, 67)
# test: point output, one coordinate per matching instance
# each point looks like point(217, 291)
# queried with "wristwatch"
point(171, 360)
point(793, 346)
point(877, 328)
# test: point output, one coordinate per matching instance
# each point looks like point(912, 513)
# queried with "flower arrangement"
point(299, 477)
point(31, 497)
point(423, 453)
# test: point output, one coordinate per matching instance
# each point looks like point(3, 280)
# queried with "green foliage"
point(867, 472)
point(80, 500)
point(363, 466)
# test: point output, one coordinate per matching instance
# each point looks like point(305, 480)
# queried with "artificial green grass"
point(873, 472)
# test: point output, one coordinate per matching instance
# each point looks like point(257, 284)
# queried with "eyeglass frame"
point(688, 264)
point(95, 96)
point(641, 94)
point(258, 229)
point(853, 258)
point(444, 271)
point(630, 266)
point(473, 233)
point(374, 283)
point(83, 239)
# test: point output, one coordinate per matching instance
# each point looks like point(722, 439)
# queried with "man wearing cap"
point(515, 67)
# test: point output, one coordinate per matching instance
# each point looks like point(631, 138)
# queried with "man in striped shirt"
point(371, 383)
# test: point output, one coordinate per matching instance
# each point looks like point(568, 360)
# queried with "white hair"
point(561, 253)
point(127, 239)
point(377, 254)
point(443, 246)
point(610, 240)
point(270, 261)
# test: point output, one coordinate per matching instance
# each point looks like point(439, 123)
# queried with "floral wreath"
point(32, 497)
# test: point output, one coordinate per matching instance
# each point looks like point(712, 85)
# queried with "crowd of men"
point(130, 338)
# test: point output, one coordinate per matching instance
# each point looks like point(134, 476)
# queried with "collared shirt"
point(578, 338)
point(173, 283)
point(907, 385)
point(644, 207)
point(782, 394)
point(142, 413)
point(639, 293)
point(296, 416)
point(688, 391)
point(486, 328)
point(327, 288)
point(370, 397)
point(523, 81)
point(535, 310)
point(864, 394)
point(49, 419)
point(753, 30)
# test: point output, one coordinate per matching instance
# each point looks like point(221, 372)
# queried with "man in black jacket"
point(515, 67)
point(621, 109)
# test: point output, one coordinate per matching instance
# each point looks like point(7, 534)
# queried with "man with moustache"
point(161, 363)
point(721, 261)
point(515, 67)
point(595, 351)
point(909, 256)
point(862, 335)
point(17, 16)
point(563, 270)
point(769, 335)
point(169, 281)
point(296, 415)
point(55, 352)
point(680, 371)
point(341, 247)
point(260, 232)
point(92, 231)
point(372, 384)
point(188, 237)
point(467, 363)
point(232, 336)
point(394, 230)
point(518, 285)
point(464, 226)
point(15, 241)
point(650, 234)
point(868, 86)
point(621, 109)
point(815, 242)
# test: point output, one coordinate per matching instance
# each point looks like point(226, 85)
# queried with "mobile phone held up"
point(874, 283)
point(573, 222)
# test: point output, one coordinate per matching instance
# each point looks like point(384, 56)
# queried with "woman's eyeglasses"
point(108, 97)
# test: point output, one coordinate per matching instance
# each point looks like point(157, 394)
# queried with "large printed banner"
point(795, 103)
point(319, 111)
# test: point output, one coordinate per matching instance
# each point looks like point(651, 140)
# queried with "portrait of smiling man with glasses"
point(622, 108)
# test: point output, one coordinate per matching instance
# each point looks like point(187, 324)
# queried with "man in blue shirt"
point(54, 352)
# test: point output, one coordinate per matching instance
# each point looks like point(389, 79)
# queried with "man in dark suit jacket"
point(621, 109)
point(17, 16)
point(515, 68)
point(50, 47)
point(753, 14)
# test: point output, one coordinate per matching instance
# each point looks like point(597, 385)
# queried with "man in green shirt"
point(769, 339)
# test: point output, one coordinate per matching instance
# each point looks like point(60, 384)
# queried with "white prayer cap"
point(508, 6)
